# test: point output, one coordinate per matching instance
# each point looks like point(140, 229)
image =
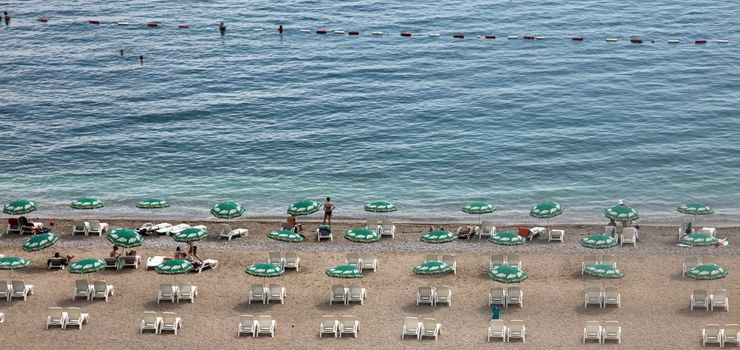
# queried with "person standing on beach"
point(222, 28)
point(7, 18)
point(328, 208)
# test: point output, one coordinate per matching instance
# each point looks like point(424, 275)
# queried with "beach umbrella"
point(285, 236)
point(19, 207)
point(438, 236)
point(695, 208)
point(362, 235)
point(265, 270)
point(432, 268)
point(227, 210)
point(479, 208)
point(13, 263)
point(707, 272)
point(190, 234)
point(699, 239)
point(86, 266)
point(125, 238)
point(547, 210)
point(507, 274)
point(380, 207)
point(87, 203)
point(621, 213)
point(40, 241)
point(507, 238)
point(604, 271)
point(304, 207)
point(344, 271)
point(598, 241)
point(174, 267)
point(152, 203)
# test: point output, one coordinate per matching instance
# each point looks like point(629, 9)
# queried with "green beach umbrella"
point(695, 208)
point(362, 235)
point(40, 241)
point(152, 203)
point(227, 210)
point(598, 241)
point(707, 272)
point(507, 274)
point(699, 239)
point(87, 203)
point(344, 271)
point(546, 210)
point(604, 271)
point(285, 236)
point(380, 207)
point(507, 238)
point(621, 213)
point(190, 234)
point(123, 237)
point(264, 270)
point(438, 236)
point(13, 263)
point(305, 207)
point(432, 268)
point(174, 267)
point(85, 266)
point(19, 207)
point(478, 208)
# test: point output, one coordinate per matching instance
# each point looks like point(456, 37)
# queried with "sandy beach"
point(654, 314)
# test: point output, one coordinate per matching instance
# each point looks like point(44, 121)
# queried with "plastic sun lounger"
point(276, 258)
point(338, 294)
point(257, 292)
point(387, 228)
point(80, 227)
point(349, 324)
point(154, 261)
point(247, 325)
point(167, 292)
point(186, 291)
point(150, 321)
point(276, 292)
point(228, 232)
point(20, 290)
point(592, 331)
point(411, 326)
point(425, 295)
point(496, 329)
point(430, 328)
point(356, 293)
point(443, 294)
point(75, 317)
point(353, 259)
point(170, 322)
point(612, 331)
point(497, 296)
point(56, 317)
point(329, 325)
point(102, 289)
point(514, 295)
point(292, 260)
point(82, 289)
point(517, 330)
point(265, 325)
point(699, 298)
point(369, 262)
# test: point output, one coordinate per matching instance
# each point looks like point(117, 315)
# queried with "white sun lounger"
point(338, 294)
point(449, 259)
point(719, 299)
point(497, 260)
point(628, 236)
point(154, 261)
point(486, 229)
point(516, 330)
point(612, 297)
point(430, 328)
point(265, 325)
point(556, 235)
point(372, 224)
point(353, 259)
point(20, 290)
point(96, 228)
point(276, 258)
point(592, 331)
point(496, 329)
point(56, 317)
point(276, 293)
point(80, 227)
point(593, 296)
point(167, 291)
point(247, 325)
point(292, 260)
point(356, 293)
point(497, 296)
point(82, 289)
point(329, 325)
point(167, 230)
point(411, 326)
point(514, 296)
point(731, 334)
point(612, 331)
point(5, 290)
point(369, 261)
point(425, 295)
point(689, 263)
point(514, 260)
point(387, 228)
point(186, 291)
point(170, 322)
point(130, 261)
point(150, 321)
point(349, 324)
point(699, 298)
point(712, 334)
point(443, 295)
point(227, 232)
point(163, 228)
point(257, 292)
point(75, 317)
point(101, 289)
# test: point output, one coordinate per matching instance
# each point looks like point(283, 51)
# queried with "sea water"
point(429, 123)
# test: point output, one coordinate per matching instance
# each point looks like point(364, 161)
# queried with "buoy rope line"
point(609, 39)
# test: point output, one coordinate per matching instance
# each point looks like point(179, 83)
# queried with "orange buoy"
point(353, 33)
point(578, 38)
point(321, 31)
point(93, 21)
point(405, 34)
point(490, 37)
point(702, 41)
point(458, 36)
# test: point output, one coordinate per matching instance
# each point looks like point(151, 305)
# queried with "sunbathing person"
point(114, 253)
point(296, 226)
point(467, 231)
point(60, 260)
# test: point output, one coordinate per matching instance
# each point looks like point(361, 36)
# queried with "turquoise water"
point(429, 123)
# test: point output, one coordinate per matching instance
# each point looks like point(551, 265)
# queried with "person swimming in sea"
point(121, 52)
point(280, 29)
point(7, 18)
point(222, 28)
point(141, 59)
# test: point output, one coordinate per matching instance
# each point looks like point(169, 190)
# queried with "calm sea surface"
point(429, 123)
